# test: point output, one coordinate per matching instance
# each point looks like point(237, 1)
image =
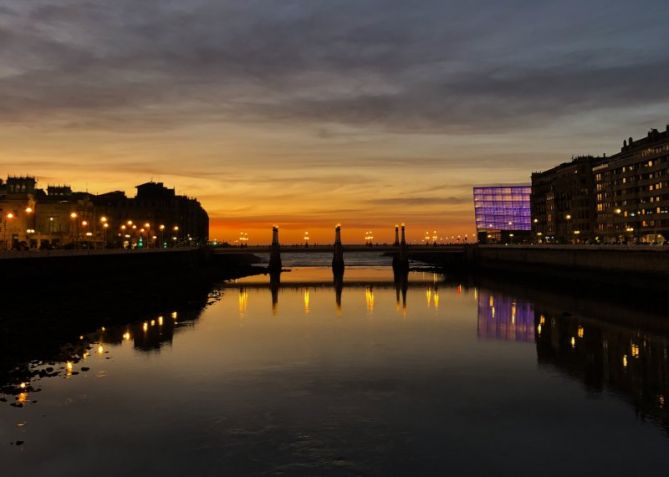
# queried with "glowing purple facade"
point(502, 207)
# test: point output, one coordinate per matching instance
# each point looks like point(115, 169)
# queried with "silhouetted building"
point(502, 213)
point(59, 217)
point(633, 193)
point(564, 202)
point(170, 217)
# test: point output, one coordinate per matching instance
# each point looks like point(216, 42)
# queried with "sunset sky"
point(308, 113)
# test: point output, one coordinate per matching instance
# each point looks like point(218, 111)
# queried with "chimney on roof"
point(625, 143)
point(630, 141)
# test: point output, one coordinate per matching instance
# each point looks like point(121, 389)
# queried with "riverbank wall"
point(142, 269)
point(635, 266)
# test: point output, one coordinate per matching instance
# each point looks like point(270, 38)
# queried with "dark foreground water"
point(375, 378)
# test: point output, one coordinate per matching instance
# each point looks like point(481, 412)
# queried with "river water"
point(427, 377)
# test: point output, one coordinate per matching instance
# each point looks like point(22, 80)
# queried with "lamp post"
point(8, 216)
point(84, 225)
point(73, 217)
point(162, 240)
point(147, 228)
point(105, 225)
point(176, 233)
point(30, 222)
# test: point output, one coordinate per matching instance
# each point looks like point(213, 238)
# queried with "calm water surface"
point(375, 378)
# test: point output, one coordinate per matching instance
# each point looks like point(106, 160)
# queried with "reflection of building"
point(504, 318)
point(609, 357)
point(563, 202)
point(502, 213)
point(34, 218)
point(155, 331)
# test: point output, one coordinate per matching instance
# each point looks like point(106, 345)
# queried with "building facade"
point(633, 191)
point(563, 202)
point(502, 213)
point(61, 218)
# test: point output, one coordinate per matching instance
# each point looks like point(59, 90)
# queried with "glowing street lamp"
point(9, 216)
point(306, 239)
point(75, 227)
point(369, 238)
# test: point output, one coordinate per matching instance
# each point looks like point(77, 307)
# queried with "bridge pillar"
point(338, 255)
point(401, 257)
point(396, 243)
point(275, 252)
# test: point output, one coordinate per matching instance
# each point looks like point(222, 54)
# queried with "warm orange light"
point(29, 210)
point(10, 215)
point(103, 219)
point(73, 215)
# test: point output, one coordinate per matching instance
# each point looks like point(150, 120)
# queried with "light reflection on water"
point(375, 377)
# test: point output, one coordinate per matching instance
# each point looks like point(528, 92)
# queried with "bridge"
point(351, 248)
point(400, 251)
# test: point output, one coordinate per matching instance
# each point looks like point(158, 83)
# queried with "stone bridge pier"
point(275, 252)
point(338, 253)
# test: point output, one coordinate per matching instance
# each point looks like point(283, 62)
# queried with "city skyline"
point(306, 115)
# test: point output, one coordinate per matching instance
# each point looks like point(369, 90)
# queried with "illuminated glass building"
point(503, 213)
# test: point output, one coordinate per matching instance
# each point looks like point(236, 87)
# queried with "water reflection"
point(606, 357)
point(504, 318)
point(285, 371)
point(55, 351)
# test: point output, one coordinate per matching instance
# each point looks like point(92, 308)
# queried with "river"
point(433, 376)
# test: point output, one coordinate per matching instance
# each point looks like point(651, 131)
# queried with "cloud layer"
point(367, 95)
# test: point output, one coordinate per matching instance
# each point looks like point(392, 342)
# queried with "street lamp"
point(9, 216)
point(105, 226)
point(162, 241)
point(73, 216)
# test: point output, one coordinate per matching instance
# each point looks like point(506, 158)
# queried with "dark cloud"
point(432, 66)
